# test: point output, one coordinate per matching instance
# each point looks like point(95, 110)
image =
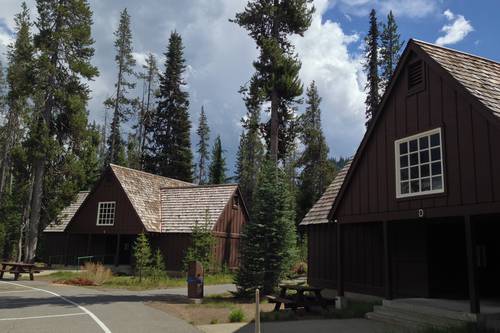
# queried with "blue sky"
point(219, 54)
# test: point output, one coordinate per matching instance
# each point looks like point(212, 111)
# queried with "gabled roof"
point(480, 76)
point(143, 191)
point(183, 207)
point(67, 214)
point(319, 212)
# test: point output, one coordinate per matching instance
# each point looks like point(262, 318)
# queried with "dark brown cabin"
point(416, 211)
point(104, 223)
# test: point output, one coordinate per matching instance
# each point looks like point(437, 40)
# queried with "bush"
point(142, 255)
point(157, 271)
point(236, 316)
point(202, 245)
point(96, 273)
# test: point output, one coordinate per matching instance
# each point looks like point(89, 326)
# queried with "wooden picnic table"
point(299, 299)
point(18, 268)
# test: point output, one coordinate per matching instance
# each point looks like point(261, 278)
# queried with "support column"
point(340, 262)
point(470, 241)
point(117, 253)
point(387, 261)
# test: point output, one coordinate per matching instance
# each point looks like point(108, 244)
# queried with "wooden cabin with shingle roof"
point(416, 213)
point(125, 202)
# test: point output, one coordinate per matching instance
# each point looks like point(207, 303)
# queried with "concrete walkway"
point(301, 326)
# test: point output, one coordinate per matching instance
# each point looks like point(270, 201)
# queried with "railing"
point(78, 261)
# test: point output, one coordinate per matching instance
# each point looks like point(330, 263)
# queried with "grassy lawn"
point(132, 283)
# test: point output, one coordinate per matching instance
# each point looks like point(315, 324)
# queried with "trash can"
point(195, 280)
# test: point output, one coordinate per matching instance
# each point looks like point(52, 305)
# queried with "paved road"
point(36, 306)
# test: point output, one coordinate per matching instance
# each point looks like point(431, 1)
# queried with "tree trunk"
point(36, 205)
point(25, 220)
point(274, 135)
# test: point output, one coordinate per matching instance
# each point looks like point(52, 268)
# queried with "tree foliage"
point(269, 241)
point(371, 67)
point(202, 245)
point(390, 47)
point(169, 149)
point(142, 256)
point(271, 23)
point(203, 133)
point(217, 172)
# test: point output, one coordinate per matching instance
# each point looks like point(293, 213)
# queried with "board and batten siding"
point(471, 154)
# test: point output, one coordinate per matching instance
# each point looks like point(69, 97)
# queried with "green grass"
point(236, 315)
point(132, 283)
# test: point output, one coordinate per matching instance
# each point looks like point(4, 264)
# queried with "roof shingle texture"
point(67, 214)
point(480, 76)
point(319, 212)
point(143, 191)
point(183, 207)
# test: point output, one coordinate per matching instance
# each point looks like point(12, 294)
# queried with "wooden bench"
point(19, 268)
point(299, 299)
point(277, 300)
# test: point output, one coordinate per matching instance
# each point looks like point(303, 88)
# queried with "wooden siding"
point(471, 153)
point(126, 219)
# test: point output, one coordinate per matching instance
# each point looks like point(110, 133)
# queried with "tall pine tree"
point(217, 172)
point(268, 243)
point(371, 68)
point(317, 170)
point(120, 103)
point(203, 133)
point(64, 50)
point(170, 144)
point(390, 46)
point(271, 23)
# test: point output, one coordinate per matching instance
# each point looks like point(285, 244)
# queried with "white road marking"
point(93, 316)
point(48, 316)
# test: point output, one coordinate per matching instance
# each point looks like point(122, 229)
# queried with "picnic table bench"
point(299, 299)
point(18, 268)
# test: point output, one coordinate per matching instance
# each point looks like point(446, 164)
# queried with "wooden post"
point(387, 261)
point(340, 262)
point(257, 311)
point(470, 241)
point(117, 253)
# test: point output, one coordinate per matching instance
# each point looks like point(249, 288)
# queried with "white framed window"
point(106, 213)
point(419, 164)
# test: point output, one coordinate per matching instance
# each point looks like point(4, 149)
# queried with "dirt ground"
point(210, 312)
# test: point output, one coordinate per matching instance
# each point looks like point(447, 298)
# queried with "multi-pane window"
point(419, 164)
point(106, 213)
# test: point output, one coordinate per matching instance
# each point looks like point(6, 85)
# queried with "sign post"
point(257, 311)
point(195, 280)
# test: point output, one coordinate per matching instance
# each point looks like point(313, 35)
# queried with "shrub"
point(158, 266)
point(142, 255)
point(236, 316)
point(202, 244)
point(96, 273)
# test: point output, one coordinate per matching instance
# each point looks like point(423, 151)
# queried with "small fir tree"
point(158, 266)
point(202, 245)
point(390, 45)
point(269, 241)
point(218, 165)
point(203, 132)
point(142, 255)
point(371, 68)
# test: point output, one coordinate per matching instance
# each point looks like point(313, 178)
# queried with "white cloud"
point(325, 59)
point(456, 30)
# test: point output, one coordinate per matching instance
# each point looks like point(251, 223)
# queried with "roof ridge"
point(198, 186)
point(418, 41)
point(149, 173)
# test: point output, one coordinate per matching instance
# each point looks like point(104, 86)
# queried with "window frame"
point(397, 156)
point(99, 204)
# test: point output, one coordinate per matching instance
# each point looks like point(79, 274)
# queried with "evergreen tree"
point(271, 24)
point(268, 243)
point(120, 104)
point(64, 49)
point(317, 171)
point(251, 150)
point(203, 132)
point(202, 245)
point(217, 172)
point(170, 144)
point(149, 78)
point(390, 45)
point(371, 68)
point(20, 82)
point(158, 266)
point(142, 256)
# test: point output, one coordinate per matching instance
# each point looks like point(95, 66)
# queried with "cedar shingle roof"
point(183, 207)
point(480, 76)
point(319, 212)
point(62, 220)
point(143, 191)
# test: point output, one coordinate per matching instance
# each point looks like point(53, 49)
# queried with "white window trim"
point(99, 213)
point(398, 169)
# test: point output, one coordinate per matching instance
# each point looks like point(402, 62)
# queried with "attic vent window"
point(415, 77)
point(236, 201)
point(106, 213)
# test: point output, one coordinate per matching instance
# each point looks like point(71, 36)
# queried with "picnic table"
point(18, 268)
point(299, 299)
